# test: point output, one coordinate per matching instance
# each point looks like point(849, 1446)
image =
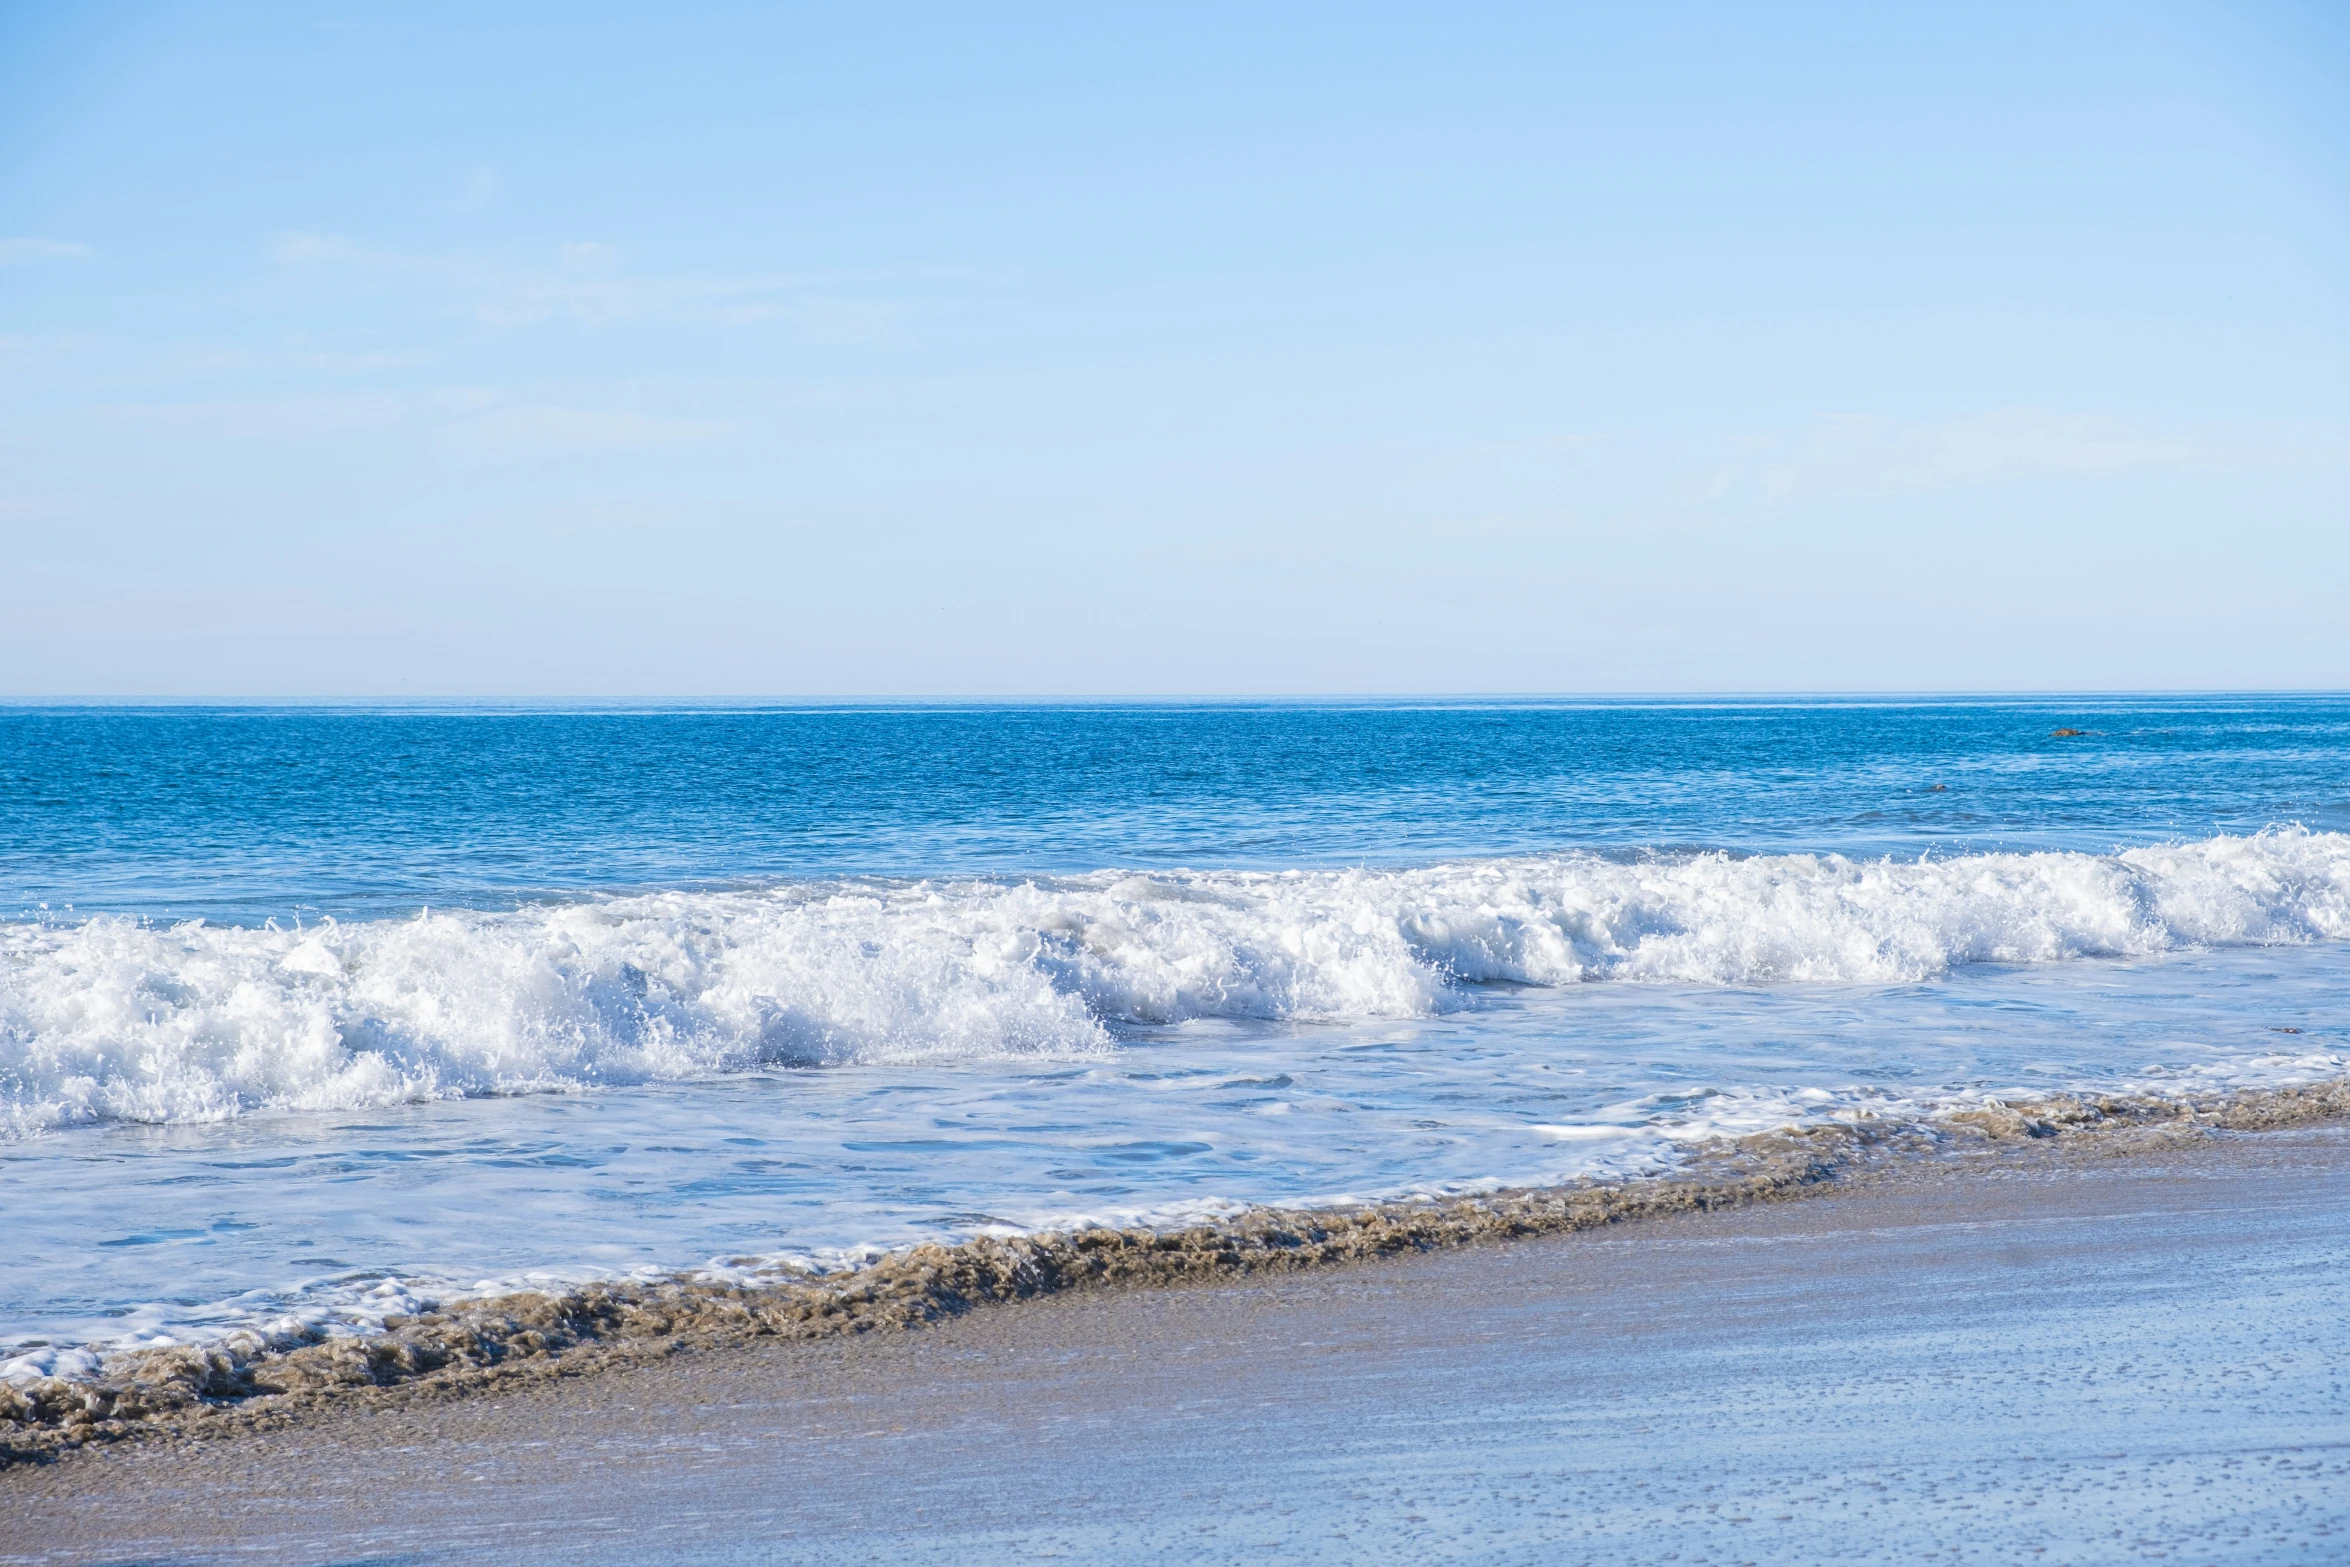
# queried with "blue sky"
point(541, 350)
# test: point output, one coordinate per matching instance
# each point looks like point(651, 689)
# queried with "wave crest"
point(114, 1020)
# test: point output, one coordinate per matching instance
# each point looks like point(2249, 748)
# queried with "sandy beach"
point(2066, 1354)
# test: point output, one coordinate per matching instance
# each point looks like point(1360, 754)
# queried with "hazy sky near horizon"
point(706, 350)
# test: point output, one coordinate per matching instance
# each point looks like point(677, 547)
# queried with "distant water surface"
point(242, 814)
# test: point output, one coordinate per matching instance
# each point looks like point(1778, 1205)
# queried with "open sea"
point(323, 1013)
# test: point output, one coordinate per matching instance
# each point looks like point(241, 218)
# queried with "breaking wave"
point(112, 1019)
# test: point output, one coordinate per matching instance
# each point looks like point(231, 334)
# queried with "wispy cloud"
point(1659, 479)
point(28, 508)
point(28, 249)
point(380, 359)
point(274, 419)
point(847, 322)
point(524, 431)
point(590, 256)
point(478, 189)
point(590, 283)
point(470, 424)
point(1877, 456)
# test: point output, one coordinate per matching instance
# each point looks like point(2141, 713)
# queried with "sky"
point(709, 351)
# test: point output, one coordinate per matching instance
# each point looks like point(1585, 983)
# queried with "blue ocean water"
point(316, 1012)
point(243, 814)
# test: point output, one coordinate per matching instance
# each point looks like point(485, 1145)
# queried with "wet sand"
point(2049, 1355)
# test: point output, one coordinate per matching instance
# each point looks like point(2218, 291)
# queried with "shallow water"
point(700, 986)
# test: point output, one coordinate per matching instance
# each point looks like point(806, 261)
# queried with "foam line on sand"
point(248, 1382)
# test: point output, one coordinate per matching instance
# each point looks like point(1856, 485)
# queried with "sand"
point(2047, 1354)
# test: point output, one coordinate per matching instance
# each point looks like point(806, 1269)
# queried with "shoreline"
point(248, 1384)
point(2083, 1351)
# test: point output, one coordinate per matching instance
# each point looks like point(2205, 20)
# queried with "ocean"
point(310, 1016)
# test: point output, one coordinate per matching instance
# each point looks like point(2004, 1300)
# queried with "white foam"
point(78, 1364)
point(116, 1020)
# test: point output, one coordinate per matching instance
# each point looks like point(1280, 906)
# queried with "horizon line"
point(1171, 699)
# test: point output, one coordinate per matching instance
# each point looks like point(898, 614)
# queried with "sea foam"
point(112, 1019)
